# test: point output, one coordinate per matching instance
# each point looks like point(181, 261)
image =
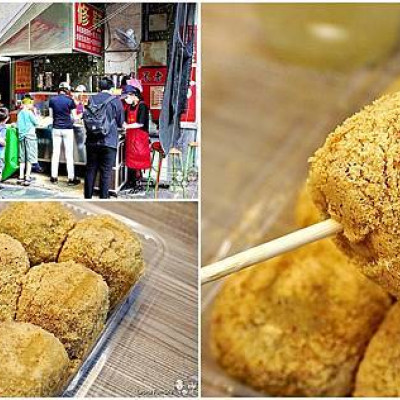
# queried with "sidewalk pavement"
point(42, 188)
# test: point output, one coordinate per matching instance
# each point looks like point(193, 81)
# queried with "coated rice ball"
point(306, 213)
point(68, 300)
point(41, 227)
point(109, 248)
point(14, 264)
point(34, 363)
point(379, 372)
point(297, 325)
point(354, 179)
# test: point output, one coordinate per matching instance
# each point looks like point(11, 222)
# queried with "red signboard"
point(23, 76)
point(88, 29)
point(190, 113)
point(153, 75)
point(153, 80)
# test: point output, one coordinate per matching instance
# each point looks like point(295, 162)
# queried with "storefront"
point(5, 79)
point(80, 42)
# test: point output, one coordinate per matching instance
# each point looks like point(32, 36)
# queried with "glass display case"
point(43, 132)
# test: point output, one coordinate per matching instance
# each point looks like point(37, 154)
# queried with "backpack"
point(95, 118)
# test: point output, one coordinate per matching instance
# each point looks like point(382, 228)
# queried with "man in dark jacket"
point(101, 149)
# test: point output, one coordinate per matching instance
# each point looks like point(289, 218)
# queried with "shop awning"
point(39, 29)
point(9, 12)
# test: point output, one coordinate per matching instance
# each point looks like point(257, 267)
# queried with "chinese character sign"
point(88, 29)
point(153, 81)
point(23, 76)
point(153, 75)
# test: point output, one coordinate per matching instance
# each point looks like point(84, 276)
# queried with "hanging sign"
point(88, 29)
point(23, 76)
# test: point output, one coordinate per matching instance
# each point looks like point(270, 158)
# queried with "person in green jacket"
point(4, 116)
point(28, 147)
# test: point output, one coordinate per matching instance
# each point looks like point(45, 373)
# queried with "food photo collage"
point(100, 167)
point(199, 199)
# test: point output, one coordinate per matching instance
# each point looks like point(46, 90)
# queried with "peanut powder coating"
point(305, 212)
point(33, 362)
point(41, 227)
point(68, 300)
point(297, 325)
point(14, 264)
point(109, 248)
point(379, 372)
point(354, 179)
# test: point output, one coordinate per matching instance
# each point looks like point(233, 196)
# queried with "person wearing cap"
point(101, 149)
point(35, 166)
point(61, 107)
point(79, 100)
point(28, 147)
point(137, 144)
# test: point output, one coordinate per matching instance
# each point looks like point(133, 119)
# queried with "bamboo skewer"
point(269, 250)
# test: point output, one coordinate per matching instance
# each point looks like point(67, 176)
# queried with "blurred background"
point(276, 80)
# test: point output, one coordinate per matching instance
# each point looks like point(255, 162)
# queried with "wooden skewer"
point(269, 250)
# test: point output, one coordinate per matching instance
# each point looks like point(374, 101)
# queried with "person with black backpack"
point(102, 117)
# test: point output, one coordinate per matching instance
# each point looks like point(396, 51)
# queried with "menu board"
point(156, 97)
point(23, 76)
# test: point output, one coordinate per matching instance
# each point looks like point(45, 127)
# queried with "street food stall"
point(45, 143)
point(63, 42)
point(70, 42)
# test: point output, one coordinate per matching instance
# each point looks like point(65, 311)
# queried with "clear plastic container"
point(143, 292)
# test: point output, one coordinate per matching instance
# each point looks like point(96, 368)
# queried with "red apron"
point(137, 146)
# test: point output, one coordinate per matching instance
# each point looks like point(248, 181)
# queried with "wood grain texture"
point(270, 249)
point(165, 346)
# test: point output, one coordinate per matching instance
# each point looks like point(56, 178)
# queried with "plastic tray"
point(143, 292)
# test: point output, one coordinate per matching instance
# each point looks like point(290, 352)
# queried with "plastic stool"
point(177, 170)
point(155, 148)
point(191, 167)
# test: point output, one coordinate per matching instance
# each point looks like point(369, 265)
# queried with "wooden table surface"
point(148, 360)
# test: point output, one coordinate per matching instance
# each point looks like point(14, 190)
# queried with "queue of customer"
point(102, 117)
